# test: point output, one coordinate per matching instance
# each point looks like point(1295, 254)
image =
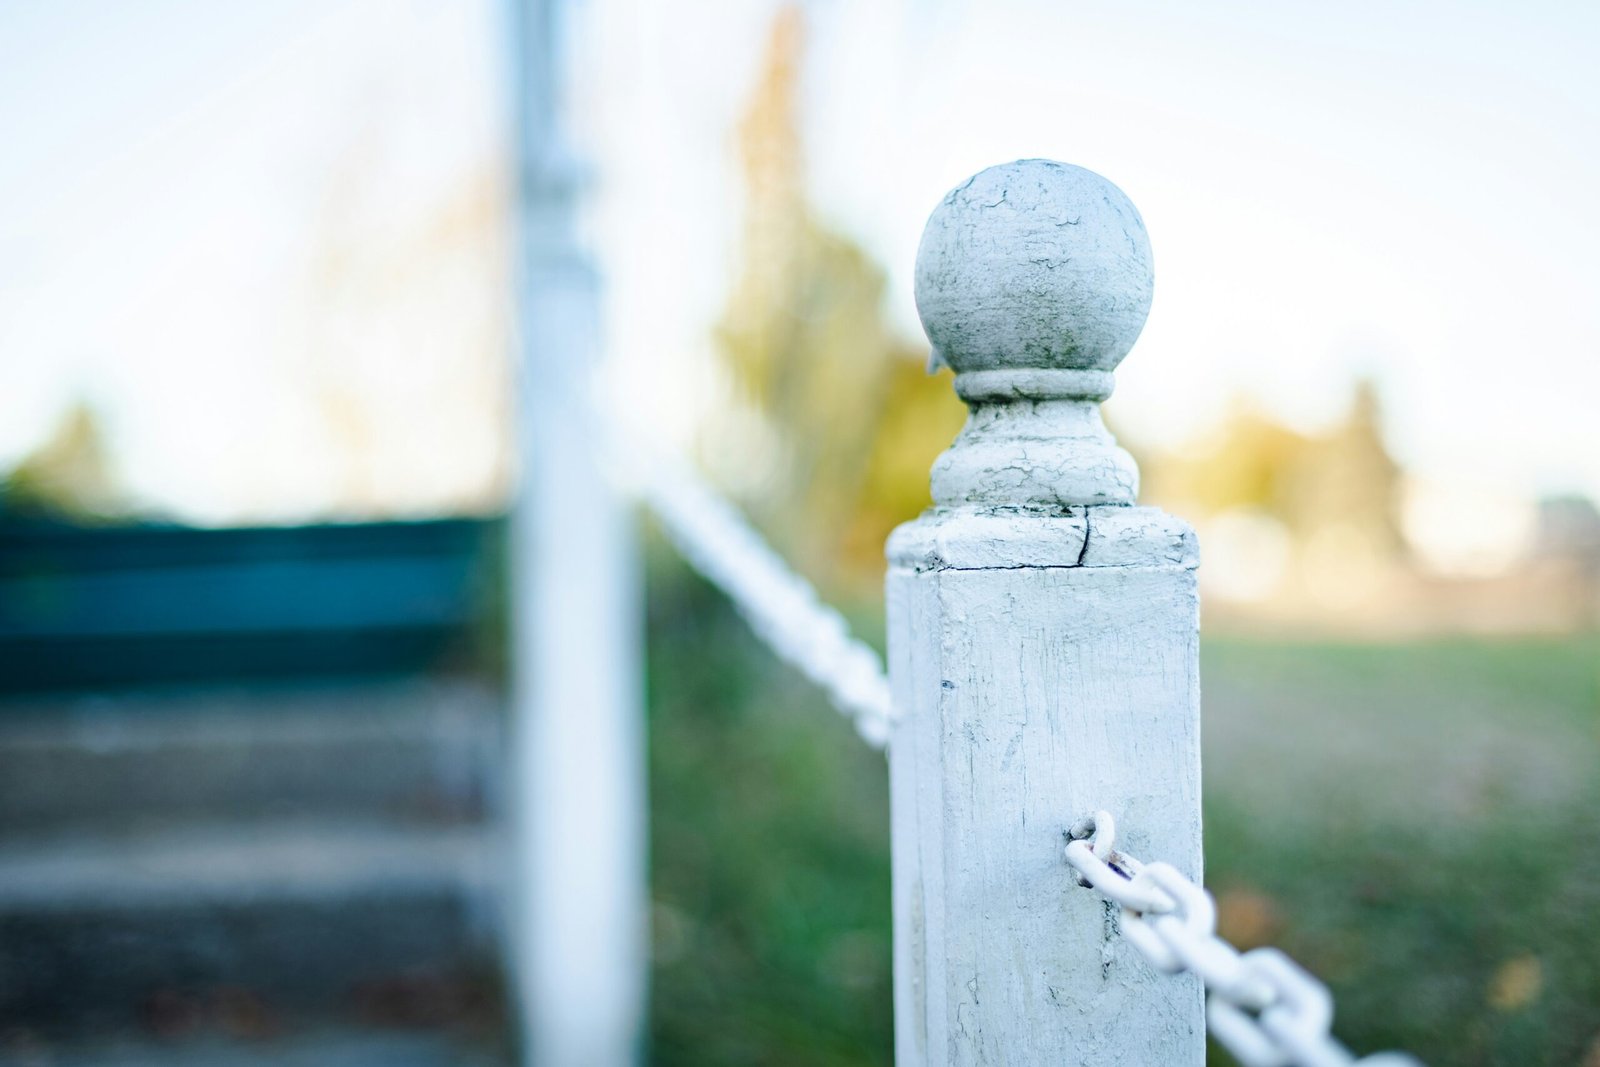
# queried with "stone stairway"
point(253, 876)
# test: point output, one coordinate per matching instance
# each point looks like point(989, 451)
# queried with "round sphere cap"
point(1034, 264)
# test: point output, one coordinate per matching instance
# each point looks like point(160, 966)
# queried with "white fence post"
point(1043, 648)
point(579, 897)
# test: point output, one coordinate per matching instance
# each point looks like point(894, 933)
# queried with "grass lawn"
point(1419, 824)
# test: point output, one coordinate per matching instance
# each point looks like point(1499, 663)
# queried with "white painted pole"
point(577, 794)
point(1043, 648)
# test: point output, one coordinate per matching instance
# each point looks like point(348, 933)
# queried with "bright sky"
point(1401, 189)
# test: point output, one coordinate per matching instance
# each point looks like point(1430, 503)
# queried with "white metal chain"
point(780, 606)
point(1263, 1007)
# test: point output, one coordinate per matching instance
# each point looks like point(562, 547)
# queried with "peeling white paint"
point(1043, 649)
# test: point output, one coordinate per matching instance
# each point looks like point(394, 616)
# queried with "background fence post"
point(579, 900)
point(1043, 646)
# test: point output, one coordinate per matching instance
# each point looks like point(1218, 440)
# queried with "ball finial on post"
point(1033, 280)
point(1043, 648)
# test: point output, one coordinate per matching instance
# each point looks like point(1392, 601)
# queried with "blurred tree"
point(1248, 462)
point(69, 475)
point(1309, 482)
point(1350, 476)
point(832, 409)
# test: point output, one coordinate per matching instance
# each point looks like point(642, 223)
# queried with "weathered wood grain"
point(1042, 650)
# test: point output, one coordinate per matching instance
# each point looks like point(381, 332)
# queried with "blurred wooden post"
point(1043, 648)
point(577, 797)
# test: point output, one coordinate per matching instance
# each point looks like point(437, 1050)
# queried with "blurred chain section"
point(1263, 1007)
point(780, 606)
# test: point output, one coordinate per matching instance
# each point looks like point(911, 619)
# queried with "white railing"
point(1043, 636)
point(576, 915)
point(1043, 646)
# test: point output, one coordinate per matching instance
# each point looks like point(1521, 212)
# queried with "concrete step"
point(272, 925)
point(317, 1048)
point(405, 750)
point(336, 1048)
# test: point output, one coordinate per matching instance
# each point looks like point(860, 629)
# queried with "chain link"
point(1263, 1007)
